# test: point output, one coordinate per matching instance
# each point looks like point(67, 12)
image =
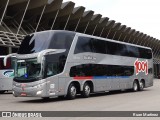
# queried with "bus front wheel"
point(141, 85)
point(72, 91)
point(86, 90)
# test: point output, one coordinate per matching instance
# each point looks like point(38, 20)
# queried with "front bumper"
point(29, 89)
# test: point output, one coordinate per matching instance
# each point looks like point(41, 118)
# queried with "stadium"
point(21, 17)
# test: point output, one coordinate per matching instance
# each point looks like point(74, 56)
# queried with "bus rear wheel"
point(2, 91)
point(86, 90)
point(135, 86)
point(72, 92)
point(141, 85)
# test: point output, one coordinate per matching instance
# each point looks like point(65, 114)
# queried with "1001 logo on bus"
point(141, 66)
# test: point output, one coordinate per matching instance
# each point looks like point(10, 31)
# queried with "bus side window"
point(84, 44)
point(51, 69)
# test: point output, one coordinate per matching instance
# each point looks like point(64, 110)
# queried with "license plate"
point(23, 94)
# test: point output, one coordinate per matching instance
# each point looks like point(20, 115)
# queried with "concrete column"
point(9, 50)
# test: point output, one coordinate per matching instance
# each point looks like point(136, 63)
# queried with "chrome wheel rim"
point(87, 90)
point(135, 87)
point(141, 85)
point(73, 91)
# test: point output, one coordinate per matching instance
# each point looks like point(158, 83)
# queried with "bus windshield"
point(27, 69)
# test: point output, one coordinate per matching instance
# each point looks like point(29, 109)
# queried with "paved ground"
point(147, 100)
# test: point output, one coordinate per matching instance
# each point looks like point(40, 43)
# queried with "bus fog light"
point(39, 92)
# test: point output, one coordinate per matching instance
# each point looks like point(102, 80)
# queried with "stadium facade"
point(21, 17)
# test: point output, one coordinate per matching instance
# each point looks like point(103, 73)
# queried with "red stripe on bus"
point(83, 78)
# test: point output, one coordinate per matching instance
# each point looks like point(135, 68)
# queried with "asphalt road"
point(147, 100)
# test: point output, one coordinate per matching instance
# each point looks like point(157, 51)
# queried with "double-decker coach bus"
point(6, 74)
point(64, 63)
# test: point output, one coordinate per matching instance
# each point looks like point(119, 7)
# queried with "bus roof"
point(82, 34)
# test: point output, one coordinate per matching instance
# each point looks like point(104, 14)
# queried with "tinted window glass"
point(116, 49)
point(55, 63)
point(101, 70)
point(52, 69)
point(99, 46)
point(123, 49)
point(111, 48)
point(61, 41)
point(84, 44)
point(46, 40)
point(133, 51)
point(145, 53)
point(149, 54)
point(33, 44)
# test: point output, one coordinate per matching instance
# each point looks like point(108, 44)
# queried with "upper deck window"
point(46, 40)
point(87, 44)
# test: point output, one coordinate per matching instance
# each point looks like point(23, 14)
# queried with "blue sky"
point(142, 15)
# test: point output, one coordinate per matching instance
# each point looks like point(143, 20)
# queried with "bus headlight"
point(39, 92)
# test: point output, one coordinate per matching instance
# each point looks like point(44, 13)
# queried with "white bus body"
point(6, 74)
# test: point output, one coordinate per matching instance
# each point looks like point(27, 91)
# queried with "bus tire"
point(2, 91)
point(141, 85)
point(135, 86)
point(72, 92)
point(86, 91)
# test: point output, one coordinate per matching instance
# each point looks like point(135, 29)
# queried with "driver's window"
point(51, 69)
point(21, 69)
